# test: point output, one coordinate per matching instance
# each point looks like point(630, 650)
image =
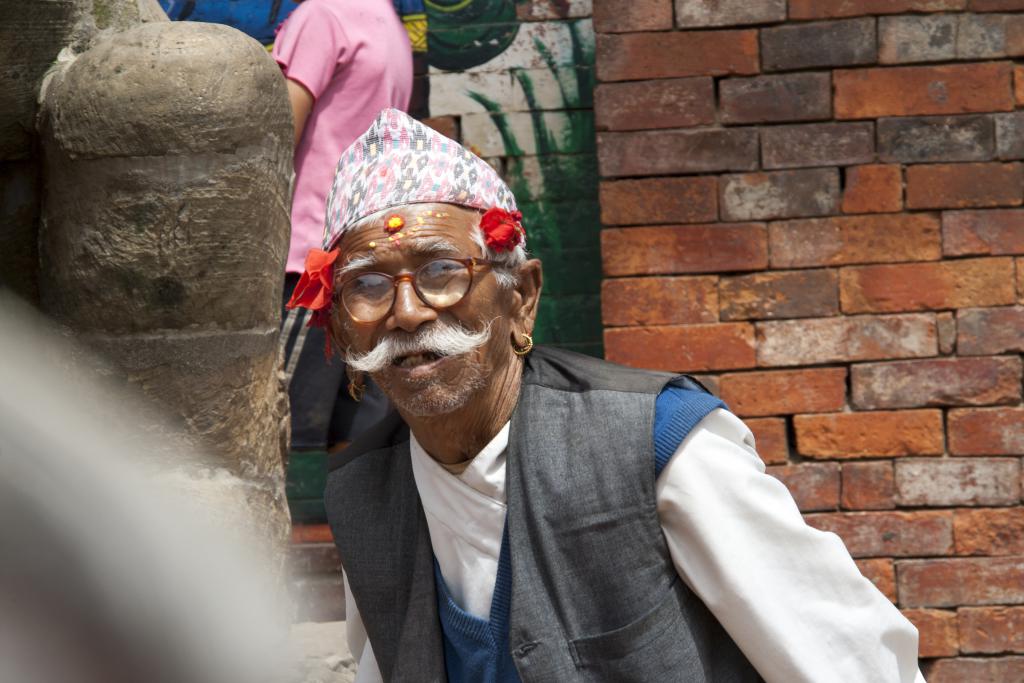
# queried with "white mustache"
point(441, 338)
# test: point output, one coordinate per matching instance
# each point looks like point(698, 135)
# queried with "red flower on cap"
point(502, 229)
point(316, 286)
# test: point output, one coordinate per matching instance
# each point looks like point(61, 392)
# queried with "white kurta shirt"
point(789, 595)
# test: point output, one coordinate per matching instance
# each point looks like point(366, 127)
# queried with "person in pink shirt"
point(344, 61)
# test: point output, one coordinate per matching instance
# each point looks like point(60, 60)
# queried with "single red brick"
point(994, 232)
point(659, 301)
point(664, 103)
point(682, 348)
point(779, 194)
point(991, 630)
point(659, 200)
point(868, 486)
point(447, 126)
point(873, 188)
point(814, 341)
point(783, 97)
point(958, 481)
point(958, 581)
point(926, 286)
point(855, 239)
point(817, 144)
point(770, 438)
point(667, 152)
point(821, 44)
point(1018, 84)
point(780, 294)
point(827, 9)
point(312, 533)
point(1020, 279)
point(890, 534)
point(988, 331)
point(640, 56)
point(873, 434)
point(964, 670)
point(641, 15)
point(986, 431)
point(700, 13)
point(994, 531)
point(937, 632)
point(995, 5)
point(951, 186)
point(783, 392)
point(814, 486)
point(684, 249)
point(882, 573)
point(922, 90)
point(937, 382)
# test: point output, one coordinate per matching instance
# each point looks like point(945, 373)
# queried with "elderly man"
point(529, 514)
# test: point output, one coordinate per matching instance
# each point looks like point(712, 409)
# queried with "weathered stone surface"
point(780, 294)
point(989, 36)
point(667, 152)
point(701, 13)
point(844, 339)
point(994, 232)
point(783, 97)
point(945, 324)
point(958, 481)
point(869, 434)
point(817, 144)
point(873, 188)
point(19, 210)
point(917, 38)
point(989, 331)
point(936, 382)
point(664, 103)
point(779, 194)
point(809, 46)
point(936, 138)
point(167, 257)
point(890, 534)
point(1010, 135)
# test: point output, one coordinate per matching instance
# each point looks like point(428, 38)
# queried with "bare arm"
point(302, 103)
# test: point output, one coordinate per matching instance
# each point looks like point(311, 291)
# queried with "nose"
point(408, 311)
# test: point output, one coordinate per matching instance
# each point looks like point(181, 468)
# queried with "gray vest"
point(595, 596)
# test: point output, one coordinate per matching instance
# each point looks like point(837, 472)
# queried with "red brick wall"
point(812, 205)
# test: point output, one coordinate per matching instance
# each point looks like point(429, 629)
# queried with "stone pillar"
point(165, 223)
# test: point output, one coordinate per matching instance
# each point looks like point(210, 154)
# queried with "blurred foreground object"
point(164, 228)
point(123, 557)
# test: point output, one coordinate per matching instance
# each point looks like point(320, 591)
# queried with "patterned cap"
point(401, 161)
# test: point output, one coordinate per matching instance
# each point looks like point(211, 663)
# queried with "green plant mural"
point(546, 149)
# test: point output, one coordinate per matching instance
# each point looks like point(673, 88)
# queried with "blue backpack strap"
point(682, 403)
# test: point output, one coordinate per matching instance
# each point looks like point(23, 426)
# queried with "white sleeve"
point(368, 671)
point(790, 596)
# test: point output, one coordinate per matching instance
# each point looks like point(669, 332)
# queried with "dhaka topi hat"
point(398, 160)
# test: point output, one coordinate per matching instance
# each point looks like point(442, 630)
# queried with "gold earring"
point(525, 348)
point(356, 388)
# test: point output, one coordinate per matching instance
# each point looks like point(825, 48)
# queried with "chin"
point(431, 396)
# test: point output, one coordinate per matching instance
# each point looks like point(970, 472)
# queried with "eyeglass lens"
point(440, 283)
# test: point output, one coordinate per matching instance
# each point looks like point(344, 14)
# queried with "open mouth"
point(415, 360)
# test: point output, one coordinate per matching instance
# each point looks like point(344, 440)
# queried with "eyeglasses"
point(440, 284)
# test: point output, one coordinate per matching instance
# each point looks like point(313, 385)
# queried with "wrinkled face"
point(428, 369)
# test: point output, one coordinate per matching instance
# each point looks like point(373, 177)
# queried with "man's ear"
point(530, 279)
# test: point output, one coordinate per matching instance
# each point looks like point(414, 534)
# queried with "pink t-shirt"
point(355, 58)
